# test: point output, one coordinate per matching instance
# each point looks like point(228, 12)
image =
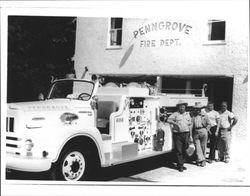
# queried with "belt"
point(224, 128)
point(199, 128)
point(181, 132)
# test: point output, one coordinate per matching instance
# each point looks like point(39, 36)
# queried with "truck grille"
point(14, 141)
point(9, 124)
point(13, 145)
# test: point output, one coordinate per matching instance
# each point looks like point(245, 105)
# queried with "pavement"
point(153, 172)
point(218, 173)
point(161, 170)
point(234, 173)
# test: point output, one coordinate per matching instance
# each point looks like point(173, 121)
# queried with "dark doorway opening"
point(219, 88)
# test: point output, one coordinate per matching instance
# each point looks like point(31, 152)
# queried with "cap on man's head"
point(198, 105)
point(224, 103)
point(210, 103)
point(181, 102)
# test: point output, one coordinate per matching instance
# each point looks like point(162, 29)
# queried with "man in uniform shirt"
point(228, 120)
point(182, 127)
point(201, 127)
point(214, 118)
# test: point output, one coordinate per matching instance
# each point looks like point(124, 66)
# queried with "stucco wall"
point(192, 56)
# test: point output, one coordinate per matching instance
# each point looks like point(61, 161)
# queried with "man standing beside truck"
point(201, 127)
point(228, 120)
point(214, 118)
point(182, 129)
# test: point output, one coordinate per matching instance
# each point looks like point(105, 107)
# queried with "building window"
point(216, 32)
point(115, 32)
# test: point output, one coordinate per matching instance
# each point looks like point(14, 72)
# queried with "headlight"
point(28, 145)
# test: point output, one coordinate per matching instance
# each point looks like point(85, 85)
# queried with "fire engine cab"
point(82, 125)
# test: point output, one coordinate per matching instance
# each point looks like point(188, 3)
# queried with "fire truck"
point(82, 126)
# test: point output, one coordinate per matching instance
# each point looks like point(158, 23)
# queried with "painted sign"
point(161, 26)
point(161, 42)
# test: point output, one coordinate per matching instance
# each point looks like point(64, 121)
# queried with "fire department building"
point(171, 54)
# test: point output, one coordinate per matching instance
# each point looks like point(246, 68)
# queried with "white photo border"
point(136, 9)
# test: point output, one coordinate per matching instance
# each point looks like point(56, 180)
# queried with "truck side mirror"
point(204, 89)
point(95, 98)
point(94, 102)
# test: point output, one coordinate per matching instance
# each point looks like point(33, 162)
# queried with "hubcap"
point(73, 166)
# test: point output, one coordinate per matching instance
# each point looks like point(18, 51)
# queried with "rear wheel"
point(72, 165)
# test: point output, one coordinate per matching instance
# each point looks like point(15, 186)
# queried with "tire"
point(73, 165)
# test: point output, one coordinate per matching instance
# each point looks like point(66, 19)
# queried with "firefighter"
point(201, 127)
point(181, 126)
point(228, 120)
point(214, 118)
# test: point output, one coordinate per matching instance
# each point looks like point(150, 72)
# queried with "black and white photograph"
point(126, 97)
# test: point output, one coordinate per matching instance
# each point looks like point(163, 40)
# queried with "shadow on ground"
point(108, 174)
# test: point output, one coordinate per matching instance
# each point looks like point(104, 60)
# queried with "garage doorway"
point(219, 88)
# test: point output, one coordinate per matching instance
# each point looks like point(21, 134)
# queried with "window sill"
point(209, 43)
point(113, 48)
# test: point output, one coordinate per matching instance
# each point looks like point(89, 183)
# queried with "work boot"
point(180, 169)
point(203, 163)
point(210, 161)
point(219, 159)
point(226, 160)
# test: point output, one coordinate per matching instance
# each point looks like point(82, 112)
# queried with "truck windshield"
point(71, 89)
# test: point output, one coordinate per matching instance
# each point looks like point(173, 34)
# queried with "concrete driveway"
point(146, 177)
point(234, 173)
point(161, 170)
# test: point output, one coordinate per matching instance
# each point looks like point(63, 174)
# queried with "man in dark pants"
point(182, 127)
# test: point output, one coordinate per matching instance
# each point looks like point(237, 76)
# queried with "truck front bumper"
point(29, 164)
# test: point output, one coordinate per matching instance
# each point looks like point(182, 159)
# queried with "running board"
point(126, 152)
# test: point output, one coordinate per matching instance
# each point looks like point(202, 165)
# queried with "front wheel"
point(72, 165)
